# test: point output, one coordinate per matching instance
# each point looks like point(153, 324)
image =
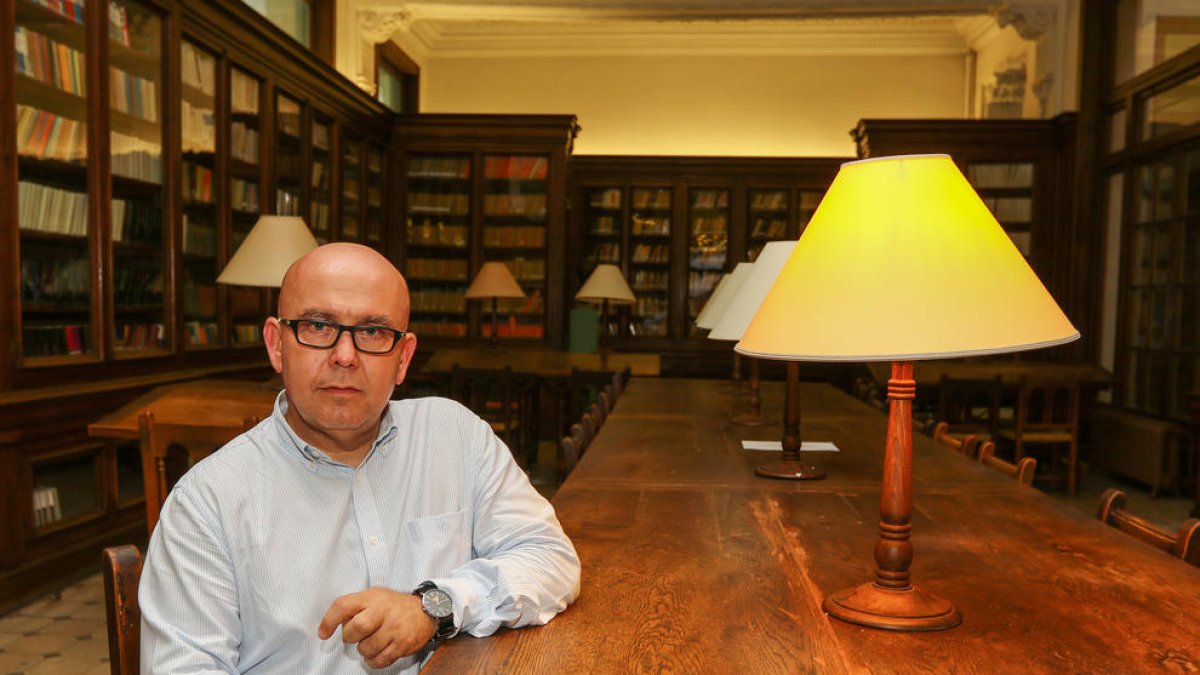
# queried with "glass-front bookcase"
point(247, 306)
point(51, 93)
point(374, 214)
point(438, 226)
point(514, 232)
point(321, 179)
point(708, 246)
point(200, 221)
point(1007, 189)
point(352, 175)
point(289, 159)
point(650, 259)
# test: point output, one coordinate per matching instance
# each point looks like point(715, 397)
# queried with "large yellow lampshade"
point(273, 244)
point(902, 261)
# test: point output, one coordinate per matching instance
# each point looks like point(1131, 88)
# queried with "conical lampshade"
point(274, 243)
point(494, 280)
point(732, 323)
point(606, 283)
point(903, 261)
point(718, 302)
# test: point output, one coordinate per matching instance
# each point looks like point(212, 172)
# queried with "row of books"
point(530, 206)
point(430, 233)
point(1014, 175)
point(42, 208)
point(649, 280)
point(522, 167)
point(374, 196)
point(289, 120)
point(436, 269)
point(46, 507)
point(243, 195)
point(605, 253)
point(199, 300)
point(650, 306)
point(44, 135)
point(320, 137)
point(199, 128)
point(774, 200)
point(138, 284)
point(320, 217)
point(139, 336)
point(443, 328)
point(514, 237)
point(603, 226)
point(137, 221)
point(51, 62)
point(707, 258)
point(438, 301)
point(650, 326)
point(374, 161)
point(709, 224)
point(453, 204)
point(514, 329)
point(202, 332)
point(769, 228)
point(653, 226)
point(349, 227)
point(710, 199)
point(243, 142)
point(651, 253)
point(71, 9)
point(439, 167)
point(349, 187)
point(246, 334)
point(55, 340)
point(652, 199)
point(133, 95)
point(136, 158)
point(197, 69)
point(118, 23)
point(528, 271)
point(531, 304)
point(320, 175)
point(243, 93)
point(701, 284)
point(199, 238)
point(1010, 209)
point(197, 183)
point(609, 198)
point(57, 282)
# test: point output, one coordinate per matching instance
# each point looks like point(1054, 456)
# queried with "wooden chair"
point(495, 397)
point(169, 449)
point(610, 397)
point(571, 454)
point(620, 379)
point(970, 406)
point(1184, 545)
point(967, 445)
point(583, 388)
point(1047, 414)
point(122, 568)
point(587, 431)
point(1022, 471)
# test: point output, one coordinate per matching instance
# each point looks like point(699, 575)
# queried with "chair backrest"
point(1184, 545)
point(610, 397)
point(588, 427)
point(122, 568)
point(1022, 471)
point(171, 448)
point(491, 394)
point(584, 387)
point(596, 414)
point(969, 405)
point(570, 451)
point(620, 379)
point(1047, 404)
point(966, 445)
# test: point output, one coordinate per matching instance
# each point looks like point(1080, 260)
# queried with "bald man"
point(347, 532)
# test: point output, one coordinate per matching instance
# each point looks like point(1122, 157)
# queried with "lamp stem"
point(790, 466)
point(604, 326)
point(891, 602)
point(753, 417)
point(495, 341)
point(737, 372)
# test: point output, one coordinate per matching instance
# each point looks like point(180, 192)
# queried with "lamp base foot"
point(905, 610)
point(786, 469)
point(749, 419)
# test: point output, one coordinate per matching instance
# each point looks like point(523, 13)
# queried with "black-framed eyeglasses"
point(321, 334)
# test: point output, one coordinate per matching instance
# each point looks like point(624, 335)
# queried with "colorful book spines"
point(51, 62)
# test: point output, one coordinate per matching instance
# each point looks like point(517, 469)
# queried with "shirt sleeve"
point(524, 570)
point(188, 593)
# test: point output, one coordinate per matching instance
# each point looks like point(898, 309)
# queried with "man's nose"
point(344, 352)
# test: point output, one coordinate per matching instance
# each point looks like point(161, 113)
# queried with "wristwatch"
point(437, 604)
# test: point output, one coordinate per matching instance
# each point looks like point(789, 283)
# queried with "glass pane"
point(1002, 175)
point(322, 166)
point(1191, 252)
point(767, 219)
point(375, 187)
point(351, 185)
point(1158, 319)
point(1160, 273)
point(602, 229)
point(650, 262)
point(1188, 310)
point(514, 231)
point(1172, 109)
point(809, 201)
point(391, 89)
point(1150, 32)
point(1145, 204)
point(1137, 320)
point(1116, 130)
point(247, 306)
point(1156, 383)
point(52, 195)
point(198, 75)
point(294, 17)
point(129, 472)
point(64, 489)
point(288, 157)
point(1133, 379)
point(708, 246)
point(437, 219)
point(1191, 181)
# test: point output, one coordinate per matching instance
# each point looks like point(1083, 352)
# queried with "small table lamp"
point(902, 261)
point(494, 281)
point(273, 244)
point(606, 285)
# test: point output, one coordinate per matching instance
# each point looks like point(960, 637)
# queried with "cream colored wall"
point(787, 106)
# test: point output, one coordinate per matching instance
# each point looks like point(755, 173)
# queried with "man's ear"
point(273, 338)
point(408, 346)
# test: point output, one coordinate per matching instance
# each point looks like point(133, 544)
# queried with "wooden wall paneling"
point(10, 281)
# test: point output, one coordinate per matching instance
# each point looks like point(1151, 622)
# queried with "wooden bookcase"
point(140, 140)
point(475, 189)
point(675, 225)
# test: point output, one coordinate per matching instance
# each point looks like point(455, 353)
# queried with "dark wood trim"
point(10, 258)
point(410, 74)
point(323, 24)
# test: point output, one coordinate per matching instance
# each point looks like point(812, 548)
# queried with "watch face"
point(437, 603)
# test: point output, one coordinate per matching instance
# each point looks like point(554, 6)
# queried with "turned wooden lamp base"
point(786, 469)
point(910, 609)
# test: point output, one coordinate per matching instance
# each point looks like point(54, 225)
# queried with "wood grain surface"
point(215, 402)
point(541, 362)
point(693, 565)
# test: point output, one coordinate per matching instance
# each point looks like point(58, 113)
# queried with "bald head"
point(353, 276)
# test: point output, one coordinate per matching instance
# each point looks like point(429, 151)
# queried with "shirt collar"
point(387, 431)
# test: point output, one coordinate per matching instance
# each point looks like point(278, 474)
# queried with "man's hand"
point(386, 624)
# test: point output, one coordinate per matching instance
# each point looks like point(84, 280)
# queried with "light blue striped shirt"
point(256, 541)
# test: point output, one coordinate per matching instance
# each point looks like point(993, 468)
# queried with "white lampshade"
point(742, 306)
point(494, 280)
point(720, 298)
point(274, 243)
point(903, 261)
point(606, 283)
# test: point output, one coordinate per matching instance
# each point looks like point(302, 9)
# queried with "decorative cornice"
point(377, 26)
point(1031, 20)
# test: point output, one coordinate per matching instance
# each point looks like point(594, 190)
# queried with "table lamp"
point(494, 281)
point(273, 244)
point(902, 261)
point(717, 303)
point(605, 285)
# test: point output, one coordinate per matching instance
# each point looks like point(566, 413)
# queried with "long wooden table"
point(929, 373)
point(691, 564)
point(215, 402)
point(545, 363)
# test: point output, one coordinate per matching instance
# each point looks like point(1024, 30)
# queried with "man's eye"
point(319, 327)
point(370, 331)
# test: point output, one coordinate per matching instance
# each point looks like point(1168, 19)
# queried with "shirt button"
point(374, 541)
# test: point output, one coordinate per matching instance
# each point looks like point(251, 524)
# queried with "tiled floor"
point(65, 634)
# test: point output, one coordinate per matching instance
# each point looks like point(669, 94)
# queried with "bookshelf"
point(374, 218)
point(708, 246)
point(247, 306)
point(321, 181)
point(476, 189)
point(352, 186)
point(200, 221)
point(289, 160)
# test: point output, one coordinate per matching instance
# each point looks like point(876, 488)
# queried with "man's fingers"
point(385, 658)
point(340, 611)
point(373, 644)
point(362, 625)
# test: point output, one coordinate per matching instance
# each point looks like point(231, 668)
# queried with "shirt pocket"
point(440, 543)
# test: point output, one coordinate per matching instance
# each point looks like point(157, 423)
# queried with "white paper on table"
point(777, 446)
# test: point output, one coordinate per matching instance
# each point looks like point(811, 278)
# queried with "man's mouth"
point(334, 389)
